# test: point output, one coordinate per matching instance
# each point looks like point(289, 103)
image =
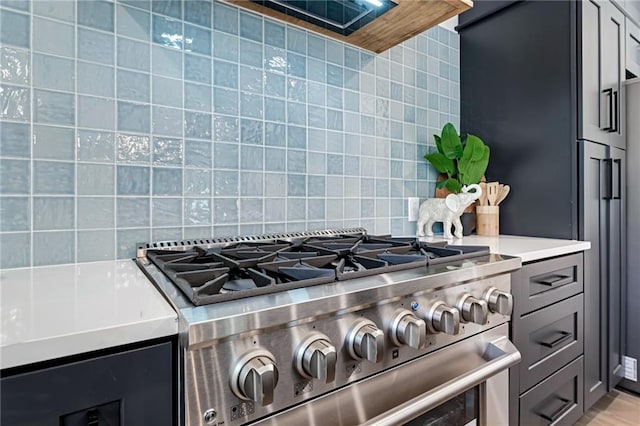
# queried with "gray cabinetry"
point(547, 327)
point(602, 201)
point(602, 37)
point(632, 42)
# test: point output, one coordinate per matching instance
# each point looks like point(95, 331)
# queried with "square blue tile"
point(167, 91)
point(197, 211)
point(297, 113)
point(317, 163)
point(54, 107)
point(225, 210)
point(50, 72)
point(171, 8)
point(14, 214)
point(351, 58)
point(197, 182)
point(197, 68)
point(274, 85)
point(94, 179)
point(134, 149)
point(317, 117)
point(335, 52)
point(133, 86)
point(274, 33)
point(225, 183)
point(96, 246)
point(15, 139)
point(334, 97)
point(275, 184)
point(296, 185)
point(166, 62)
point(95, 146)
point(296, 137)
point(275, 60)
point(251, 183)
point(296, 90)
point(133, 23)
point(197, 40)
point(132, 212)
point(251, 211)
point(126, 241)
point(297, 65)
point(53, 177)
point(274, 209)
point(296, 40)
point(167, 152)
point(226, 128)
point(316, 209)
point(198, 12)
point(275, 159)
point(225, 46)
point(225, 74)
point(251, 53)
point(225, 156)
point(225, 101)
point(95, 79)
point(51, 213)
point(95, 46)
point(296, 161)
point(168, 121)
point(275, 134)
point(196, 96)
point(64, 252)
point(15, 250)
point(55, 143)
point(133, 54)
point(316, 186)
point(15, 66)
point(166, 212)
point(133, 180)
point(167, 181)
point(274, 109)
point(14, 29)
point(334, 75)
point(251, 26)
point(250, 105)
point(96, 113)
point(96, 212)
point(225, 18)
point(134, 117)
point(167, 32)
point(252, 131)
point(96, 14)
point(16, 103)
point(335, 164)
point(197, 154)
point(251, 157)
point(16, 4)
point(316, 47)
point(197, 125)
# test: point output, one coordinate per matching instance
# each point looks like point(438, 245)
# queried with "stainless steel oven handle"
point(500, 355)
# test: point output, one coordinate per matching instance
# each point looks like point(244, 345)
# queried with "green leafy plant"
point(464, 163)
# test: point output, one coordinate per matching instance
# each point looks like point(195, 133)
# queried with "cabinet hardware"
point(564, 336)
point(618, 181)
point(556, 280)
point(566, 403)
point(609, 94)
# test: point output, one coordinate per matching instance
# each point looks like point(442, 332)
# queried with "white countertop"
point(526, 248)
point(56, 311)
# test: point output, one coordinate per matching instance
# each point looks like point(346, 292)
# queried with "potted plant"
point(459, 163)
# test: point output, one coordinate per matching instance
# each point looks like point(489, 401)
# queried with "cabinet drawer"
point(556, 401)
point(548, 339)
point(540, 284)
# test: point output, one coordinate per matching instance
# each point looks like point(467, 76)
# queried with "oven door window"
point(461, 410)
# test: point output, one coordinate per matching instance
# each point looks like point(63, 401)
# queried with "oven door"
point(426, 391)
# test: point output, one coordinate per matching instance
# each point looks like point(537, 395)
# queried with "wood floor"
point(615, 409)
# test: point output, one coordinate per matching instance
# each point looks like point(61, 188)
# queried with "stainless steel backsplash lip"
point(208, 324)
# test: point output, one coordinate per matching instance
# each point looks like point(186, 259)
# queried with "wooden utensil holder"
point(488, 220)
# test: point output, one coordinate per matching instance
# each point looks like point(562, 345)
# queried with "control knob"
point(499, 301)
point(315, 357)
point(408, 329)
point(443, 318)
point(254, 377)
point(365, 341)
point(472, 309)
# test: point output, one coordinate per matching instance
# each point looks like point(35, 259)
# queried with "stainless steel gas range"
point(337, 327)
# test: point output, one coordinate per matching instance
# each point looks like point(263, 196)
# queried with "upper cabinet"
point(633, 47)
point(603, 71)
point(375, 25)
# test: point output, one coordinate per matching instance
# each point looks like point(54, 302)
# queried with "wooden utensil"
point(492, 192)
point(504, 191)
point(483, 198)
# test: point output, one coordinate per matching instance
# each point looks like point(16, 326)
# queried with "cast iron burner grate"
point(232, 270)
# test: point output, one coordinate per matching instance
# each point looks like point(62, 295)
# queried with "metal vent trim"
point(141, 248)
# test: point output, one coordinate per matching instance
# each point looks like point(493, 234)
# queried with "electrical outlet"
point(630, 368)
point(413, 204)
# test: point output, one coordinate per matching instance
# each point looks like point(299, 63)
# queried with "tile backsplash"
point(137, 120)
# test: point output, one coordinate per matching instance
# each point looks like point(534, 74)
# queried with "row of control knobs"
point(255, 375)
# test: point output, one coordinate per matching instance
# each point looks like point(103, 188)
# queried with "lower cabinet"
point(547, 327)
point(135, 387)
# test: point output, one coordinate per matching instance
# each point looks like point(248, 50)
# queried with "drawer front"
point(540, 284)
point(548, 339)
point(556, 401)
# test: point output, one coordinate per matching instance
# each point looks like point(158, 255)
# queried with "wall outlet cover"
point(413, 205)
point(630, 368)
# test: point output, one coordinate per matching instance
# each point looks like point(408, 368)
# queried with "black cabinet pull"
point(556, 280)
point(618, 180)
point(608, 178)
point(564, 336)
point(614, 122)
point(555, 415)
point(609, 94)
point(93, 417)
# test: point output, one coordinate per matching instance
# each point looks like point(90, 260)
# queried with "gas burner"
point(237, 267)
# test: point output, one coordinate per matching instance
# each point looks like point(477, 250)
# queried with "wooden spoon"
point(492, 192)
point(503, 194)
point(483, 198)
